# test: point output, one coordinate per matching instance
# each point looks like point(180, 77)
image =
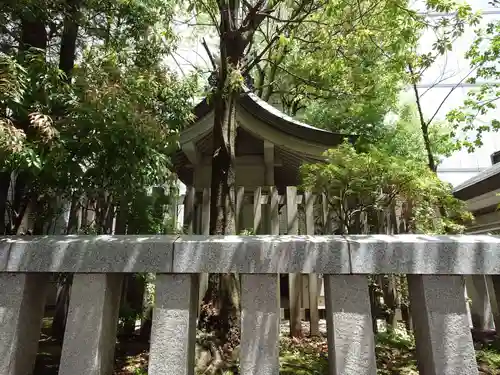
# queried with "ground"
point(308, 356)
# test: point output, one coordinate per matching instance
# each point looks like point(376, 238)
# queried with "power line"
point(451, 85)
point(446, 14)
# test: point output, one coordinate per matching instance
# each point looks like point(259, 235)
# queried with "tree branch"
point(204, 43)
point(448, 95)
point(295, 14)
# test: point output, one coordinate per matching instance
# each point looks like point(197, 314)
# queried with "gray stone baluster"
point(351, 345)
point(494, 300)
point(22, 299)
point(477, 290)
point(442, 333)
point(173, 333)
point(260, 315)
point(90, 337)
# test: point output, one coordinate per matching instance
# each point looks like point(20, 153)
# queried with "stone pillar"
point(494, 300)
point(442, 333)
point(22, 300)
point(90, 336)
point(173, 334)
point(351, 345)
point(482, 317)
point(205, 230)
point(260, 329)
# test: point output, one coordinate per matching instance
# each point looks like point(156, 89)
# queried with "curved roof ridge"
point(272, 109)
point(274, 117)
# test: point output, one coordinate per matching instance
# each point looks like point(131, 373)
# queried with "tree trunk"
point(122, 216)
point(62, 306)
point(4, 192)
point(424, 126)
point(33, 36)
point(74, 220)
point(221, 288)
point(390, 299)
point(21, 200)
point(221, 311)
point(69, 36)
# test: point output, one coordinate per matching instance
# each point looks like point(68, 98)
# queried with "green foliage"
point(483, 55)
point(341, 68)
point(344, 65)
point(402, 136)
point(107, 129)
point(148, 212)
point(29, 91)
point(125, 123)
point(140, 371)
point(395, 354)
point(490, 356)
point(371, 181)
point(446, 29)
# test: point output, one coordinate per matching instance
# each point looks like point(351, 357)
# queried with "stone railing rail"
point(434, 265)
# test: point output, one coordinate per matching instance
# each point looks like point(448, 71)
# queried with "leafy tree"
point(483, 55)
point(403, 136)
point(446, 29)
point(90, 113)
point(371, 182)
point(74, 130)
point(342, 68)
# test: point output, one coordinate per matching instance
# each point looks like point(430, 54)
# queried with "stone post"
point(90, 337)
point(442, 333)
point(481, 314)
point(22, 300)
point(494, 288)
point(351, 346)
point(260, 330)
point(173, 333)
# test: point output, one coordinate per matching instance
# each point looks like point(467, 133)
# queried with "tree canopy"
point(375, 182)
point(87, 103)
point(472, 118)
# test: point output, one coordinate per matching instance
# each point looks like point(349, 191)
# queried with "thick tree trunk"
point(69, 36)
point(221, 311)
point(223, 292)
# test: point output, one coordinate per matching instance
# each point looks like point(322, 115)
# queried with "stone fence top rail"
point(356, 254)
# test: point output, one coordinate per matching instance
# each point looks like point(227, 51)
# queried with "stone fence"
point(435, 267)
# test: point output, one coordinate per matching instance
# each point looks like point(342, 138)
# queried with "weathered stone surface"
point(261, 254)
point(351, 346)
point(88, 253)
point(481, 312)
point(5, 245)
point(22, 298)
point(411, 254)
point(442, 333)
point(493, 283)
point(421, 254)
point(90, 337)
point(173, 333)
point(260, 315)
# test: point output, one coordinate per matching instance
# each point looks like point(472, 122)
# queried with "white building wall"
point(443, 77)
